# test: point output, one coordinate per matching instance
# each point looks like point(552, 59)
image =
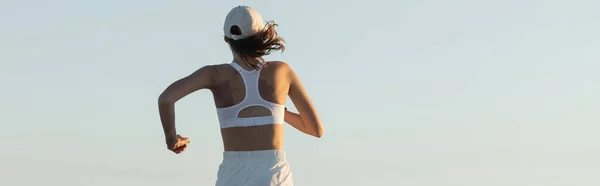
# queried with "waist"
point(244, 157)
point(266, 137)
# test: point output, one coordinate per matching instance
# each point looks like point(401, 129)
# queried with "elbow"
point(317, 129)
point(164, 100)
point(319, 132)
point(318, 135)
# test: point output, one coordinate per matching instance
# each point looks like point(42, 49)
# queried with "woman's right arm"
point(307, 120)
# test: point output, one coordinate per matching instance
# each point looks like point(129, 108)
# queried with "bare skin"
point(277, 81)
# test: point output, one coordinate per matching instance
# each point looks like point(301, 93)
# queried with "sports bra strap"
point(228, 117)
point(237, 67)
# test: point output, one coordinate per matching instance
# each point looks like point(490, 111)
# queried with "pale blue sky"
point(419, 93)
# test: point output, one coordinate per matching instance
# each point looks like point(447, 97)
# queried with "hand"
point(178, 144)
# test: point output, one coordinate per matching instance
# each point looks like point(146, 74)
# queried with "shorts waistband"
point(237, 157)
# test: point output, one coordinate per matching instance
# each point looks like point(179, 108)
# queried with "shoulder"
point(278, 65)
point(208, 72)
point(212, 69)
point(208, 75)
point(217, 67)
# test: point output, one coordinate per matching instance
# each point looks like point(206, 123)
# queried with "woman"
point(250, 96)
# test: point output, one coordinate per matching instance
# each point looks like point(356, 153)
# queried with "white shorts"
point(254, 168)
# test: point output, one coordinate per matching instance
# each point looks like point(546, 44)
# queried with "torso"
point(273, 86)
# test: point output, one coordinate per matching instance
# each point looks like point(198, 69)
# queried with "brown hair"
point(257, 45)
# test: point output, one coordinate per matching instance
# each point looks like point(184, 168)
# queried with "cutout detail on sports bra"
point(254, 111)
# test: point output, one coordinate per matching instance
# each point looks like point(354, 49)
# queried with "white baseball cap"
point(248, 20)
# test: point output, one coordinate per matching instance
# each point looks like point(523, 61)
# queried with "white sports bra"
point(228, 115)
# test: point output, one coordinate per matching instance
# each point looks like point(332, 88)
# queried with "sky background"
point(419, 93)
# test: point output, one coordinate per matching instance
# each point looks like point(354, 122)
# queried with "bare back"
point(229, 89)
point(273, 84)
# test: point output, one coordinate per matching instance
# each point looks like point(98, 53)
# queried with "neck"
point(244, 62)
